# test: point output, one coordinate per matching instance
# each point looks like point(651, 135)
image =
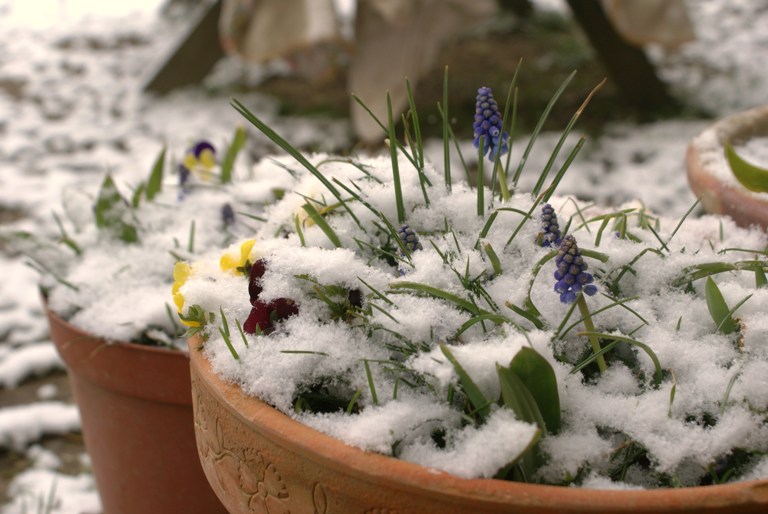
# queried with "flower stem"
point(584, 310)
point(502, 180)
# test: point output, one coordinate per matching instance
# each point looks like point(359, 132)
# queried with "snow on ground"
point(70, 108)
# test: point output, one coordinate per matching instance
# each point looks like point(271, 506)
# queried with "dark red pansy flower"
point(263, 316)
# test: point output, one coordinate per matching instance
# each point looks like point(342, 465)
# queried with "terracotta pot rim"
point(741, 123)
point(126, 345)
point(399, 474)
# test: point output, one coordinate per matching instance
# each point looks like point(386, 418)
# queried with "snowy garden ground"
point(71, 108)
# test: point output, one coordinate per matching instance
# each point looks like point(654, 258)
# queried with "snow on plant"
point(405, 314)
point(108, 268)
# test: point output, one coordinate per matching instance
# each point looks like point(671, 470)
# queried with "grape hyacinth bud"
point(411, 242)
point(409, 238)
point(550, 230)
point(227, 215)
point(488, 125)
point(571, 274)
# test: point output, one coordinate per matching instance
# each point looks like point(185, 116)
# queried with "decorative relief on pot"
point(241, 475)
point(320, 499)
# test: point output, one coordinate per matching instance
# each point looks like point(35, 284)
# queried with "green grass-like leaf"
point(395, 166)
point(224, 331)
point(155, 181)
point(371, 385)
point(435, 292)
point(475, 396)
point(64, 236)
point(322, 224)
point(707, 269)
point(658, 373)
point(718, 308)
point(234, 148)
point(539, 126)
point(446, 128)
point(480, 178)
point(493, 258)
point(543, 176)
point(485, 316)
point(760, 278)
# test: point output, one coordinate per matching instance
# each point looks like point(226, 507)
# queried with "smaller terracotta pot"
point(709, 175)
point(260, 460)
point(136, 412)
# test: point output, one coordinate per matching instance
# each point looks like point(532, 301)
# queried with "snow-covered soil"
point(71, 108)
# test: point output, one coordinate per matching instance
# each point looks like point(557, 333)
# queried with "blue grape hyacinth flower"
point(409, 238)
point(411, 242)
point(571, 273)
point(550, 229)
point(488, 125)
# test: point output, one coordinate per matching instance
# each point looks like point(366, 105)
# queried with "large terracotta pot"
point(136, 412)
point(710, 177)
point(259, 460)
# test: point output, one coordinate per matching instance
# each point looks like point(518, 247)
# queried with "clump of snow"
point(65, 494)
point(383, 428)
point(29, 360)
point(469, 454)
point(23, 424)
point(47, 391)
point(754, 151)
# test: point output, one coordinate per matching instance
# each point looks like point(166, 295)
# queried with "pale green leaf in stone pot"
point(750, 176)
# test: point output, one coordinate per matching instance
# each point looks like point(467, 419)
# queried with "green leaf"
point(371, 385)
point(395, 166)
point(658, 373)
point(516, 396)
point(485, 316)
point(476, 397)
point(446, 129)
point(111, 211)
point(760, 278)
point(437, 293)
point(136, 198)
point(540, 125)
point(543, 175)
point(493, 258)
point(750, 176)
point(718, 309)
point(155, 182)
point(537, 375)
point(320, 222)
point(238, 142)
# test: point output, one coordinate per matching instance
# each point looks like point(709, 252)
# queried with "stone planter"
point(260, 460)
point(137, 422)
point(710, 176)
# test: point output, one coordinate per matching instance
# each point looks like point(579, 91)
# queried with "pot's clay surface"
point(136, 412)
point(705, 163)
point(259, 460)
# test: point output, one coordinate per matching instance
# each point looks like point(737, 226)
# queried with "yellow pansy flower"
point(181, 272)
point(232, 262)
